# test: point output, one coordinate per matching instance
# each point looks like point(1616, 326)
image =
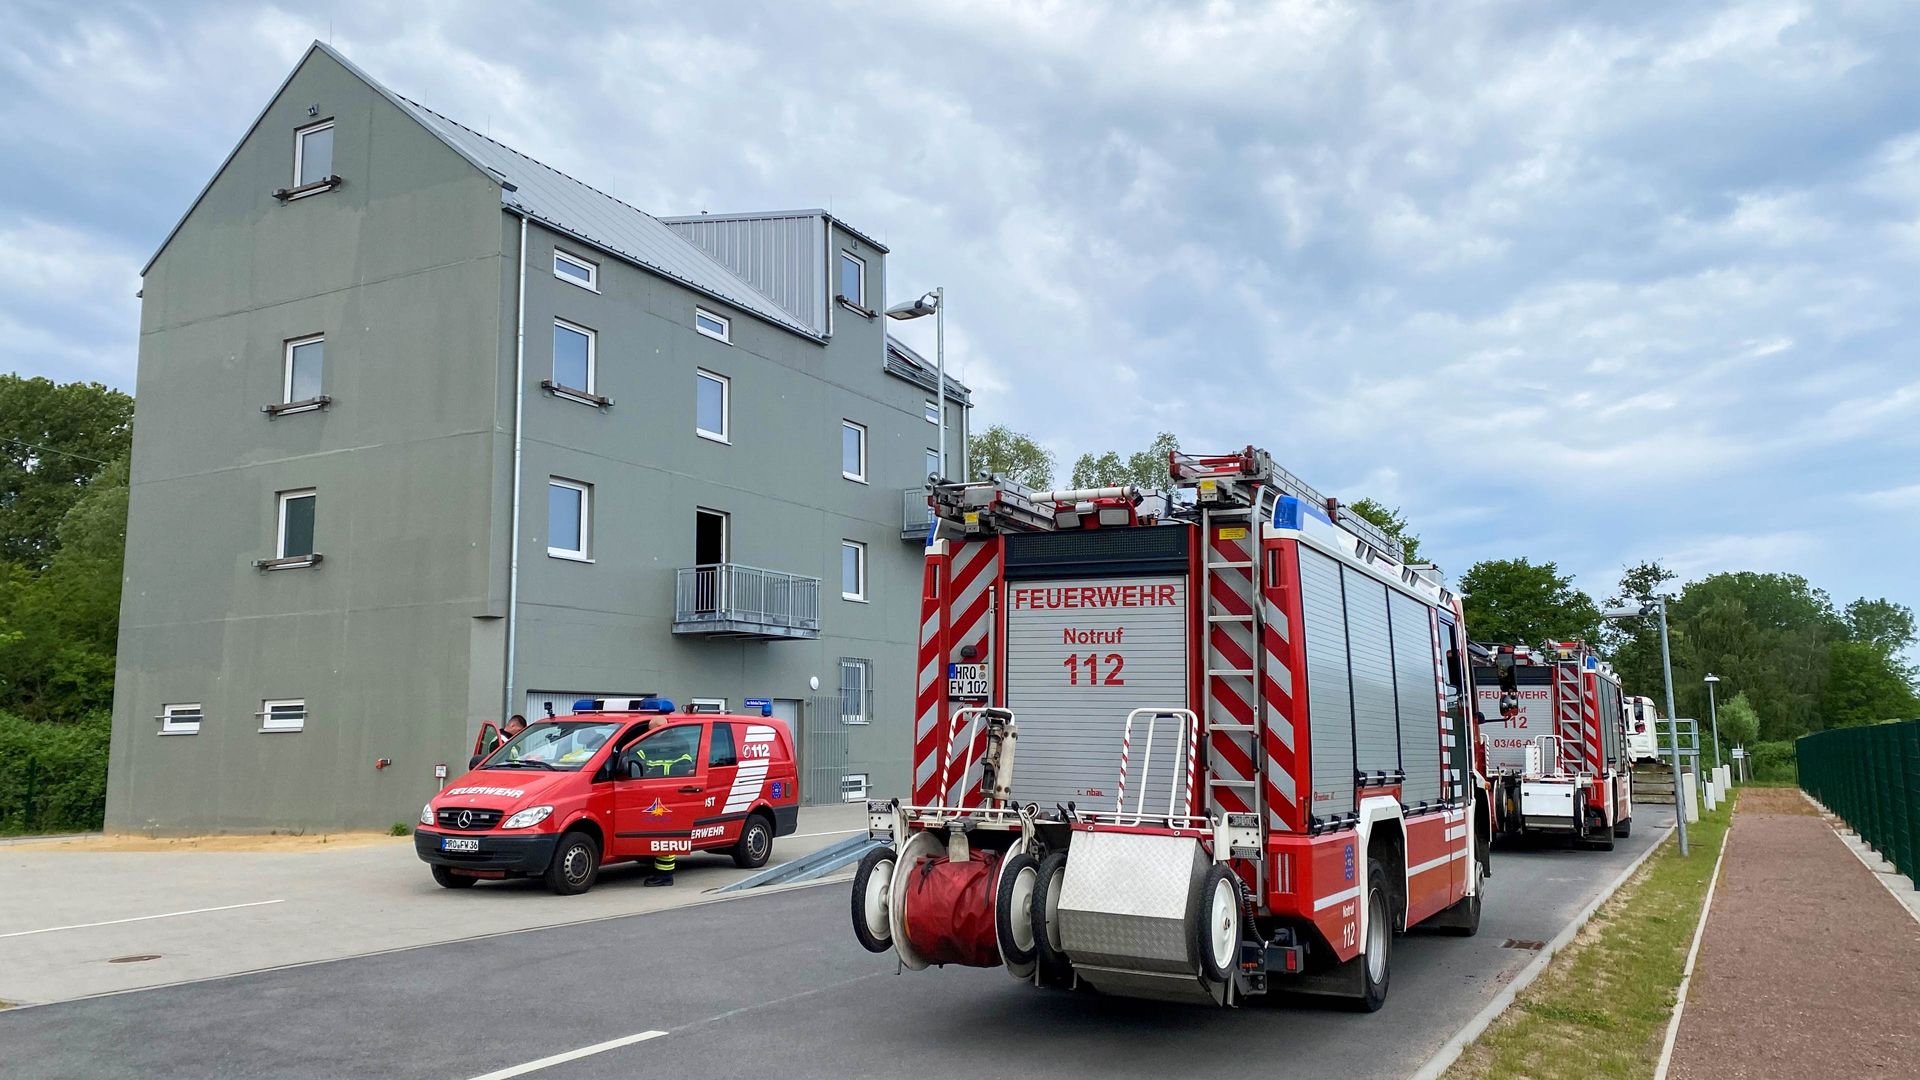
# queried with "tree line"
point(1788, 657)
point(63, 515)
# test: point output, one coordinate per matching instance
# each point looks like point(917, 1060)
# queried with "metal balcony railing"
point(915, 514)
point(730, 600)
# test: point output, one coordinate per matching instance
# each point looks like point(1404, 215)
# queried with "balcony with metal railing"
point(733, 601)
point(915, 514)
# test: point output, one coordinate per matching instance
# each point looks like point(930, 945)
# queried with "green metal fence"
point(1870, 776)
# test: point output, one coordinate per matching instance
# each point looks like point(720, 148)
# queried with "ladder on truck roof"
point(1000, 505)
point(1227, 478)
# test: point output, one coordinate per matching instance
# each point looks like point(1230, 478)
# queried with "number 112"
point(1114, 662)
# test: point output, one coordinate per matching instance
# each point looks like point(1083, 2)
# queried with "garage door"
point(1081, 653)
point(562, 701)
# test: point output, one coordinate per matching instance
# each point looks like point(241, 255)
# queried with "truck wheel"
point(575, 865)
point(1624, 829)
point(1376, 960)
point(1055, 968)
point(755, 845)
point(873, 900)
point(1213, 923)
point(450, 880)
point(1013, 910)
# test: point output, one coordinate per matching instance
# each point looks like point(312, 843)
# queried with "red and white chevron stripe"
point(957, 592)
point(1569, 724)
point(1440, 692)
point(1590, 697)
point(1280, 735)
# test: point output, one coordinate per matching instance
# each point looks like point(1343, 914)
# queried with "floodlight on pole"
point(934, 304)
point(1713, 712)
point(1658, 606)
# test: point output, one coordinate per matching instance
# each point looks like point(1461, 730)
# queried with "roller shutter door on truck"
point(1507, 743)
point(1081, 653)
point(1329, 695)
point(1376, 720)
point(1415, 678)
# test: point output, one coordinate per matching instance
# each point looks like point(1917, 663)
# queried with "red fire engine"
point(1556, 737)
point(1243, 743)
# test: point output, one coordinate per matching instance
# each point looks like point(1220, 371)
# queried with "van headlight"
point(426, 814)
point(528, 818)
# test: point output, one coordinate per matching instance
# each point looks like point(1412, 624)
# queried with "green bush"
point(1774, 761)
point(53, 776)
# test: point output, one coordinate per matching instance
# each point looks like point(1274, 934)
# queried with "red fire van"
point(615, 781)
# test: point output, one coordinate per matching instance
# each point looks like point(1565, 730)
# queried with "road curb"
point(1693, 955)
point(1450, 1051)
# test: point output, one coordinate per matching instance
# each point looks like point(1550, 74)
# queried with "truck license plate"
point(967, 681)
point(457, 843)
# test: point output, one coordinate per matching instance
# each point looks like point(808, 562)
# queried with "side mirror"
point(474, 761)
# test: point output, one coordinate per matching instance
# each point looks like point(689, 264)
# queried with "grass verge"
point(1601, 1007)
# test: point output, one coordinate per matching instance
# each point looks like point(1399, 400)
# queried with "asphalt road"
point(775, 986)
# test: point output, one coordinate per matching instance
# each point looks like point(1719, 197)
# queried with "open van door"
point(488, 741)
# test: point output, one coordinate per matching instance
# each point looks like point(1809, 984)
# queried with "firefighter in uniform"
point(665, 763)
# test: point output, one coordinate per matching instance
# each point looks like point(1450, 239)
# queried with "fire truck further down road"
point(1242, 735)
point(1556, 740)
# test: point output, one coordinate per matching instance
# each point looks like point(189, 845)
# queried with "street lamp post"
point(1647, 607)
point(1713, 712)
point(935, 304)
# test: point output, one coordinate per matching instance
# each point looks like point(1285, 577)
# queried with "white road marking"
point(571, 1055)
point(141, 918)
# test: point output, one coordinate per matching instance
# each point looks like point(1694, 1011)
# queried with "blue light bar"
point(654, 704)
point(586, 704)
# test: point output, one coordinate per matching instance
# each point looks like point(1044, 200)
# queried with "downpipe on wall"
point(519, 412)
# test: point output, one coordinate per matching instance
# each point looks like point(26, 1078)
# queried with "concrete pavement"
point(66, 915)
point(775, 986)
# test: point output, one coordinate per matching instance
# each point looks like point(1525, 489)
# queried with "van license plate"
point(456, 843)
point(967, 681)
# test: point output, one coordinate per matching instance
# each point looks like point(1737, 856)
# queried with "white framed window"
point(305, 362)
point(711, 405)
point(573, 348)
point(180, 719)
point(569, 519)
point(853, 787)
point(707, 705)
point(576, 270)
point(717, 327)
point(930, 411)
point(933, 463)
point(293, 537)
point(283, 714)
point(853, 451)
point(856, 690)
point(313, 153)
point(853, 278)
point(853, 570)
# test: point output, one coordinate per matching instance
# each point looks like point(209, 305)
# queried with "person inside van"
point(667, 753)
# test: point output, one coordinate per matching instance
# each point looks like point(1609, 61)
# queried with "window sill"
point(292, 562)
point(570, 394)
point(287, 195)
point(856, 308)
point(577, 283)
point(289, 408)
point(281, 730)
point(195, 731)
point(855, 479)
point(711, 437)
point(569, 556)
point(851, 599)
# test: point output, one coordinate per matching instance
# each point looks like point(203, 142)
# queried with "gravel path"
point(1808, 967)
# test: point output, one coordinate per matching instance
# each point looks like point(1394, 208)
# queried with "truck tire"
point(1376, 958)
point(1213, 923)
point(1013, 910)
point(755, 845)
point(872, 900)
point(1624, 829)
point(450, 880)
point(575, 865)
point(1055, 968)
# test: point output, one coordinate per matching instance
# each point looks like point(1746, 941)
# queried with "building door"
point(709, 552)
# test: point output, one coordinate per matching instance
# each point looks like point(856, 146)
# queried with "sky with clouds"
point(1588, 283)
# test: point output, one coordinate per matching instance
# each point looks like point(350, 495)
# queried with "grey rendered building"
point(374, 340)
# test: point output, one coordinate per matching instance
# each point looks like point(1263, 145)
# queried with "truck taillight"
point(1640, 727)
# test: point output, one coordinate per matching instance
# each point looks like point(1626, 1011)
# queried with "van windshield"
point(563, 745)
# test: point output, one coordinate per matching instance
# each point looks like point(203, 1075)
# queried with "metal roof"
point(917, 369)
point(562, 203)
point(782, 255)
